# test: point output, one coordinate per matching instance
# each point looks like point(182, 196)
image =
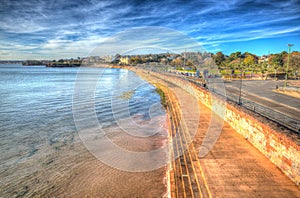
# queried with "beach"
point(74, 172)
point(43, 154)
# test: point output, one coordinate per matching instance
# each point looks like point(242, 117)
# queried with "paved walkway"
point(234, 168)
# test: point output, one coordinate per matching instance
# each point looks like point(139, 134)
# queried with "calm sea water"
point(36, 105)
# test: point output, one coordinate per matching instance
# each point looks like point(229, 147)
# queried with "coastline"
point(67, 168)
point(154, 174)
point(169, 174)
point(164, 89)
point(205, 174)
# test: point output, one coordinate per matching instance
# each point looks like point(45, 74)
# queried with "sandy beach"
point(71, 171)
point(59, 165)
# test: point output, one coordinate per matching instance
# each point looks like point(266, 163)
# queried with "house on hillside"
point(124, 60)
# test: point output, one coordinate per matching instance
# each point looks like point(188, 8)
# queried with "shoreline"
point(166, 169)
point(163, 88)
point(140, 73)
point(284, 138)
point(67, 168)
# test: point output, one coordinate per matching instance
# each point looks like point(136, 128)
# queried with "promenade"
point(259, 96)
point(233, 168)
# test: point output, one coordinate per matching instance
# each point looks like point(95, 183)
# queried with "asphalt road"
point(257, 95)
point(262, 93)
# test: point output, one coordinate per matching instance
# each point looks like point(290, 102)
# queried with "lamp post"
point(241, 81)
point(241, 84)
point(287, 65)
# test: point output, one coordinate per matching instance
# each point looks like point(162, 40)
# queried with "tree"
point(263, 68)
point(295, 64)
point(177, 62)
point(135, 60)
point(234, 56)
point(232, 62)
point(276, 62)
point(218, 58)
point(249, 62)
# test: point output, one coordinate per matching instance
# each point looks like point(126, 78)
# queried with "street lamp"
point(287, 65)
point(241, 84)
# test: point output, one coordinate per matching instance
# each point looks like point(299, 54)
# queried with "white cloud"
point(76, 28)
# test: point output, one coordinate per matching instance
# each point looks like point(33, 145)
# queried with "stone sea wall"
point(280, 147)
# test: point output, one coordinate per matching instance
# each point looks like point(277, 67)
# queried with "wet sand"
point(94, 178)
point(71, 171)
point(65, 168)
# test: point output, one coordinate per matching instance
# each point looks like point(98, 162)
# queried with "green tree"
point(219, 57)
point(249, 62)
point(135, 60)
point(263, 68)
point(294, 66)
point(234, 56)
point(276, 62)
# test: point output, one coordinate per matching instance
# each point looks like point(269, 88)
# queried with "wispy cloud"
point(62, 28)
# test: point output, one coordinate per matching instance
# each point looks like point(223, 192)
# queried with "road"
point(258, 96)
point(233, 168)
point(262, 92)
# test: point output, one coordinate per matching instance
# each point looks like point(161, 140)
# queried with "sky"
point(37, 29)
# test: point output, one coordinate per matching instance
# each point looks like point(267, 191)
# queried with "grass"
point(162, 97)
point(238, 72)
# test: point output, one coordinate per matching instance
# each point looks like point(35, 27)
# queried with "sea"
point(37, 107)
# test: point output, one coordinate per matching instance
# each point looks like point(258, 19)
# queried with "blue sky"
point(37, 29)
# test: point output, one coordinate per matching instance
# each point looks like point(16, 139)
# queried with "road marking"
point(267, 99)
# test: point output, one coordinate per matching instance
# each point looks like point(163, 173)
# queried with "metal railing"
point(276, 116)
point(271, 114)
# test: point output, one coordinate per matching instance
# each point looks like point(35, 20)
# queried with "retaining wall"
point(276, 144)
